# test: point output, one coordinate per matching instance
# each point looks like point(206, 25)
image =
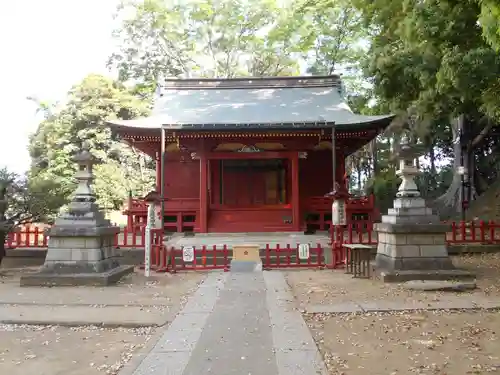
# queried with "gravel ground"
point(441, 343)
point(86, 350)
point(45, 350)
point(330, 287)
point(420, 342)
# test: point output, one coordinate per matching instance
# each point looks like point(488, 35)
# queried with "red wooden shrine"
point(249, 155)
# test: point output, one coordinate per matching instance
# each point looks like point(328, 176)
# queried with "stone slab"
point(295, 350)
point(440, 285)
point(300, 362)
point(412, 228)
point(388, 306)
point(236, 339)
point(409, 275)
point(74, 316)
point(82, 231)
point(77, 279)
point(165, 363)
point(261, 239)
point(171, 354)
point(345, 307)
point(245, 266)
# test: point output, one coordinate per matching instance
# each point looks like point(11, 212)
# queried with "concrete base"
point(408, 251)
point(51, 277)
point(245, 266)
point(410, 275)
point(443, 286)
point(388, 263)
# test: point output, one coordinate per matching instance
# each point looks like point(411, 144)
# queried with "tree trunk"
point(450, 203)
point(2, 246)
point(432, 158)
point(374, 152)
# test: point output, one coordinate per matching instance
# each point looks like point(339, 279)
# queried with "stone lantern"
point(81, 247)
point(411, 239)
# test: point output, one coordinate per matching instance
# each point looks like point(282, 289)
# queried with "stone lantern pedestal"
point(411, 240)
point(81, 245)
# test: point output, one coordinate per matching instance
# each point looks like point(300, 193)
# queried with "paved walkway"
point(261, 239)
point(236, 324)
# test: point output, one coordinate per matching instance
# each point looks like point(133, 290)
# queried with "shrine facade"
point(249, 154)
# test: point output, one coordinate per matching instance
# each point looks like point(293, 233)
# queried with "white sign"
point(188, 254)
point(338, 212)
point(148, 239)
point(304, 251)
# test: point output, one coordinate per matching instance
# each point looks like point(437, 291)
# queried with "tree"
point(82, 118)
point(22, 203)
point(199, 38)
point(489, 20)
point(431, 56)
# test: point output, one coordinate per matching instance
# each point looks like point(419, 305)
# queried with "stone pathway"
point(262, 239)
point(236, 324)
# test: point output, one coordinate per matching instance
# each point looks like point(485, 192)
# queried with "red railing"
point(474, 233)
point(26, 236)
point(362, 232)
point(288, 257)
point(205, 258)
point(461, 233)
point(34, 237)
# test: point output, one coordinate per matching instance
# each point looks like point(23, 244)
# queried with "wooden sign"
point(188, 254)
point(246, 253)
point(304, 252)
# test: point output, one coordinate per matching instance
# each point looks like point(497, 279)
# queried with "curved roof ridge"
point(251, 82)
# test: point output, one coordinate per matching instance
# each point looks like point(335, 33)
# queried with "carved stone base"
point(414, 252)
point(62, 276)
point(79, 256)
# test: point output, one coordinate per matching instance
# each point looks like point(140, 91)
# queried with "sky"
point(46, 46)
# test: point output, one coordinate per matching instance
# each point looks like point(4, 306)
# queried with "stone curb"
point(79, 323)
point(353, 308)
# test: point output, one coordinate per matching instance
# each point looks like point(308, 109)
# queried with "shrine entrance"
point(257, 182)
point(250, 195)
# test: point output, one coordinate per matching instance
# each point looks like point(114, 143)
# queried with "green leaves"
point(430, 54)
point(204, 38)
point(57, 139)
point(489, 20)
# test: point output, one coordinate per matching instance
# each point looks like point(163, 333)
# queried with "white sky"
point(46, 46)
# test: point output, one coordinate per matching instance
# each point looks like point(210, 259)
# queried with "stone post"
point(81, 247)
point(411, 239)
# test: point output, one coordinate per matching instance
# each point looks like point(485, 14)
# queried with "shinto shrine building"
point(249, 154)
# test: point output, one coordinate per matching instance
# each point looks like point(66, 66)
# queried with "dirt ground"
point(89, 350)
point(409, 343)
point(38, 350)
point(328, 287)
point(430, 342)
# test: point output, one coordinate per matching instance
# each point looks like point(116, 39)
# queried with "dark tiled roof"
point(291, 102)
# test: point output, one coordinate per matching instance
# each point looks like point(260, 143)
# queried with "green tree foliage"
point(430, 62)
point(211, 38)
point(61, 134)
point(22, 202)
point(490, 21)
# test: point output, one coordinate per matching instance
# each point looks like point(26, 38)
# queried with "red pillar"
point(158, 173)
point(296, 222)
point(130, 218)
point(203, 194)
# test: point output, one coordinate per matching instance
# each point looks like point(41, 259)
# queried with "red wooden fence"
point(35, 237)
point(461, 233)
point(213, 258)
